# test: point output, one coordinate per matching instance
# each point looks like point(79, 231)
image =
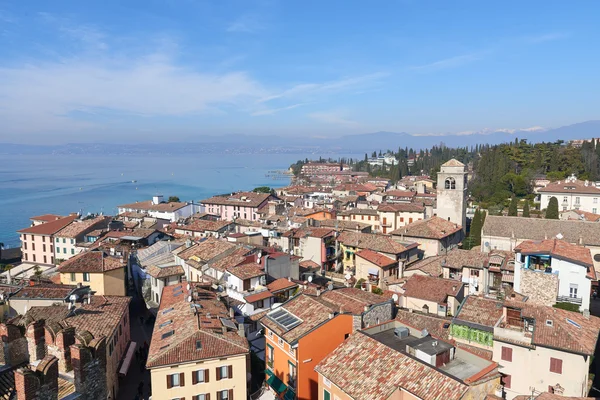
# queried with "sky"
point(81, 71)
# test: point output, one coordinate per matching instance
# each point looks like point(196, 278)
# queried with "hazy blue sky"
point(85, 69)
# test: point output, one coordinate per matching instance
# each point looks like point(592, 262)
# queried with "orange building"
point(299, 334)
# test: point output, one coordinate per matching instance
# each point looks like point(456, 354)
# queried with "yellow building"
point(196, 351)
point(104, 274)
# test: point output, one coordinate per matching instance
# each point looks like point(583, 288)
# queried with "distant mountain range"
point(348, 144)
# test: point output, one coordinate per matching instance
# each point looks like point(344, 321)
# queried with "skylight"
point(167, 310)
point(168, 334)
point(284, 319)
point(573, 323)
point(165, 324)
point(198, 345)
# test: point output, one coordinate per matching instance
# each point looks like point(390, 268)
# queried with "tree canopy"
point(552, 210)
point(262, 189)
point(173, 199)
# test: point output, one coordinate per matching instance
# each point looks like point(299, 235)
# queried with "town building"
point(540, 348)
point(550, 271)
point(158, 208)
point(37, 241)
point(572, 194)
point(435, 235)
point(103, 273)
point(378, 269)
point(161, 276)
point(316, 244)
point(475, 322)
point(314, 168)
point(452, 193)
point(67, 239)
point(367, 216)
point(432, 295)
point(22, 298)
point(393, 216)
point(240, 205)
point(205, 228)
point(579, 215)
point(197, 350)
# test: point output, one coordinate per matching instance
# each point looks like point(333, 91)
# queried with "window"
point(450, 183)
point(72, 241)
point(506, 381)
point(291, 375)
point(44, 247)
point(595, 210)
point(326, 395)
point(260, 304)
point(65, 250)
point(57, 240)
point(33, 246)
point(595, 200)
point(225, 372)
point(565, 199)
point(72, 276)
point(43, 238)
point(175, 380)
point(555, 365)
point(86, 276)
point(45, 262)
point(25, 245)
point(200, 376)
point(507, 354)
point(474, 272)
point(225, 395)
point(577, 200)
point(204, 396)
point(573, 290)
point(72, 251)
point(280, 342)
point(34, 255)
point(270, 355)
point(64, 240)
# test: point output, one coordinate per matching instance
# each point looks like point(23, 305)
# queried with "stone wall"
point(542, 288)
point(378, 314)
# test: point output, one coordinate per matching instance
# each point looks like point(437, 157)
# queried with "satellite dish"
point(347, 276)
point(73, 297)
point(330, 286)
point(189, 299)
point(258, 259)
point(259, 254)
point(310, 278)
point(559, 236)
point(291, 252)
point(395, 297)
point(188, 286)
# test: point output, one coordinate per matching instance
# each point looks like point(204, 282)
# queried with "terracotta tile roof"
point(101, 317)
point(309, 264)
point(79, 227)
point(163, 272)
point(207, 249)
point(366, 369)
point(557, 248)
point(433, 324)
point(46, 217)
point(231, 259)
point(133, 214)
point(480, 311)
point(309, 232)
point(343, 225)
point(49, 228)
point(459, 258)
point(487, 354)
point(570, 331)
point(401, 207)
point(359, 211)
point(356, 187)
point(178, 331)
point(453, 163)
point(243, 199)
point(44, 291)
point(431, 266)
point(588, 233)
point(431, 289)
point(281, 284)
point(246, 271)
point(401, 193)
point(148, 205)
point(570, 186)
point(203, 225)
point(351, 300)
point(308, 309)
point(376, 258)
point(91, 261)
point(379, 243)
point(548, 396)
point(430, 228)
point(265, 294)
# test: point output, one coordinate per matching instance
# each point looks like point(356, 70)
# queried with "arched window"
point(450, 183)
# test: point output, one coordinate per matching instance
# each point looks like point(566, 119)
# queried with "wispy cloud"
point(451, 62)
point(333, 117)
point(271, 111)
point(89, 35)
point(486, 131)
point(248, 23)
point(308, 89)
point(546, 37)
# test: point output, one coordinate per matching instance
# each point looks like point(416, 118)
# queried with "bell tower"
point(452, 192)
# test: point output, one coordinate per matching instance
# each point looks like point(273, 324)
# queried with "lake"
point(59, 184)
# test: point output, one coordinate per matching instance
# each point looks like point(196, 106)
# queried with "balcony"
point(569, 299)
point(513, 334)
point(270, 363)
point(291, 381)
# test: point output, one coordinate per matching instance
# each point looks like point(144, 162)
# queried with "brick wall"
point(14, 346)
point(542, 288)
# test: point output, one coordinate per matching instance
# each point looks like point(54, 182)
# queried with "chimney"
point(89, 368)
point(231, 313)
point(318, 292)
point(331, 315)
point(27, 384)
point(366, 308)
point(64, 339)
point(242, 330)
point(44, 379)
point(289, 279)
point(36, 341)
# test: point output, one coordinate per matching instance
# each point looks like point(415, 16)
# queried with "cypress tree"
point(483, 215)
point(526, 209)
point(512, 208)
point(552, 210)
point(475, 232)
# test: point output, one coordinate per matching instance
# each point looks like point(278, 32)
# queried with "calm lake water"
point(34, 185)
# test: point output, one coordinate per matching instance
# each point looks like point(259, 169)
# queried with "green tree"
point(483, 215)
point(512, 208)
point(475, 231)
point(262, 189)
point(552, 210)
point(173, 199)
point(526, 209)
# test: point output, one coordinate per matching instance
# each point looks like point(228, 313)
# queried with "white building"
point(550, 271)
point(572, 194)
point(387, 159)
point(158, 208)
point(452, 193)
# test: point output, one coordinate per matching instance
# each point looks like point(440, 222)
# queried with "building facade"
point(452, 193)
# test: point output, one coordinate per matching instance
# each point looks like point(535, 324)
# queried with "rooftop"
point(281, 284)
point(453, 163)
point(557, 248)
point(570, 185)
point(375, 258)
point(148, 205)
point(91, 261)
point(430, 228)
point(431, 289)
point(206, 249)
point(246, 271)
point(163, 272)
point(49, 228)
point(401, 207)
point(374, 242)
point(482, 312)
point(203, 225)
point(436, 326)
point(431, 266)
point(78, 227)
point(244, 199)
point(44, 291)
point(459, 258)
point(46, 217)
point(351, 299)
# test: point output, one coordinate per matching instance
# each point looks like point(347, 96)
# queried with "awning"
point(127, 359)
point(276, 384)
point(374, 271)
point(289, 395)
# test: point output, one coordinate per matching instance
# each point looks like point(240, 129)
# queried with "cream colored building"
point(197, 351)
point(37, 241)
point(65, 240)
point(103, 273)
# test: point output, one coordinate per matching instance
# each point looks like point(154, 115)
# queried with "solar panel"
point(284, 319)
point(228, 323)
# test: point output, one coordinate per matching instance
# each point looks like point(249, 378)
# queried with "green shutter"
point(326, 395)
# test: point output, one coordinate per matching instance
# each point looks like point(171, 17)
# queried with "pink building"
point(37, 241)
point(241, 205)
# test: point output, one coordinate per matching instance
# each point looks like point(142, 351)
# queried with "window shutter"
point(230, 371)
point(230, 394)
point(195, 397)
point(506, 381)
point(206, 375)
point(218, 373)
point(169, 382)
point(181, 379)
point(207, 396)
point(195, 377)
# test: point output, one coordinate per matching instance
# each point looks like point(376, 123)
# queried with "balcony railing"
point(270, 363)
point(291, 381)
point(568, 299)
point(513, 334)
